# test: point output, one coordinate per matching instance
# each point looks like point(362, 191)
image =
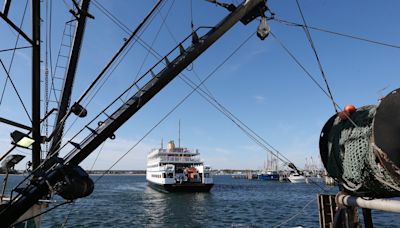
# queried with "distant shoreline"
point(118, 174)
point(96, 173)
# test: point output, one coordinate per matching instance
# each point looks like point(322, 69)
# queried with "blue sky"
point(260, 84)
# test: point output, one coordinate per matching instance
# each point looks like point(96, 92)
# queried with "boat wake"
point(137, 187)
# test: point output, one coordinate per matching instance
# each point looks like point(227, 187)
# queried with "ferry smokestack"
point(364, 156)
point(171, 145)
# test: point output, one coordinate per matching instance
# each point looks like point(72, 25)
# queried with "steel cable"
point(289, 23)
point(176, 106)
point(8, 78)
point(308, 74)
point(308, 34)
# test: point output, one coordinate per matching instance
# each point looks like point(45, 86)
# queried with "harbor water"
point(127, 201)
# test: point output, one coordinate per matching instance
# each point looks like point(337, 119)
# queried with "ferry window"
point(206, 175)
point(164, 176)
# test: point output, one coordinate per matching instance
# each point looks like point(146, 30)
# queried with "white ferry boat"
point(177, 169)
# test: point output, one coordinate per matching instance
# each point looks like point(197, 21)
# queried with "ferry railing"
point(178, 159)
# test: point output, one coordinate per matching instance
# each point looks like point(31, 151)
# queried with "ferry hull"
point(186, 187)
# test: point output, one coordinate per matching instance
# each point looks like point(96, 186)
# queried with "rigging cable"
point(308, 34)
point(116, 58)
point(242, 126)
point(110, 16)
point(99, 85)
point(289, 23)
point(121, 25)
point(11, 63)
point(273, 150)
point(66, 116)
point(163, 23)
point(307, 73)
point(46, 211)
point(191, 15)
point(46, 80)
point(302, 209)
point(15, 89)
point(155, 54)
point(15, 48)
point(208, 96)
point(91, 169)
point(67, 216)
point(176, 106)
point(128, 41)
point(295, 215)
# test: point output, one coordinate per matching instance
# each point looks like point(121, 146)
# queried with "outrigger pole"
point(49, 177)
point(81, 15)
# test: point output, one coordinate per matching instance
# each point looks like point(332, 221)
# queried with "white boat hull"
point(297, 179)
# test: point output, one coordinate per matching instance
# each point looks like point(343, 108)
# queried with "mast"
point(36, 83)
point(81, 17)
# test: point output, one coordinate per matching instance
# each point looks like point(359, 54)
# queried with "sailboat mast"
point(36, 83)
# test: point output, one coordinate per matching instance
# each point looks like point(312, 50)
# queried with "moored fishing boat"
point(177, 169)
point(269, 175)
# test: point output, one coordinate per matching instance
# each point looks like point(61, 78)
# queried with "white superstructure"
point(177, 168)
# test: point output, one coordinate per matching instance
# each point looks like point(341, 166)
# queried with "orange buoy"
point(350, 108)
point(347, 111)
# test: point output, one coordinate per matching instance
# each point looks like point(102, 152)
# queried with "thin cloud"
point(222, 150)
point(259, 99)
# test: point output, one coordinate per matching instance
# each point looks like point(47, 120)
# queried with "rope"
point(119, 59)
point(98, 153)
point(242, 126)
point(121, 49)
point(16, 48)
point(191, 15)
point(114, 63)
point(289, 23)
point(221, 109)
point(295, 215)
point(46, 211)
point(153, 41)
point(72, 205)
point(15, 89)
point(13, 54)
point(67, 216)
point(308, 73)
point(11, 63)
point(308, 34)
point(46, 79)
point(49, 156)
point(176, 106)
